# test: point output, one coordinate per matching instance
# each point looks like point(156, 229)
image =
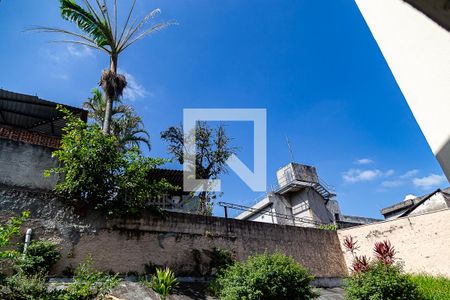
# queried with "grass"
point(432, 287)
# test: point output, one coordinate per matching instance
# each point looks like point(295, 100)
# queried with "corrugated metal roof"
point(33, 114)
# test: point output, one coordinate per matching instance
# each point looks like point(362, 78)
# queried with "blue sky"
point(315, 68)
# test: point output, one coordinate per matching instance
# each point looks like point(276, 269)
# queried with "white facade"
point(417, 51)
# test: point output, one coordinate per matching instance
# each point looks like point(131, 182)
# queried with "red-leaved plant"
point(384, 252)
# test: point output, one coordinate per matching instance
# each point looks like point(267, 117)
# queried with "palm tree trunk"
point(108, 99)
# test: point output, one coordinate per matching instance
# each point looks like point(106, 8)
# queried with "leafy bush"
point(381, 279)
point(89, 283)
point(24, 287)
point(262, 277)
point(9, 230)
point(162, 282)
point(39, 258)
point(381, 282)
point(432, 288)
point(96, 171)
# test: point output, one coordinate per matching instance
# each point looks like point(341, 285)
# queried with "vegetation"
point(332, 227)
point(27, 284)
point(126, 125)
point(432, 288)
point(101, 30)
point(381, 282)
point(25, 287)
point(381, 279)
point(89, 283)
point(263, 277)
point(95, 174)
point(162, 282)
point(8, 231)
point(221, 259)
point(38, 259)
point(213, 149)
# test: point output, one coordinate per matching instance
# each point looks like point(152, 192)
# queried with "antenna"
point(290, 149)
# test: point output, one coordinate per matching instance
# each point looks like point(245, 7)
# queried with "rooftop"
point(32, 114)
point(437, 10)
point(409, 203)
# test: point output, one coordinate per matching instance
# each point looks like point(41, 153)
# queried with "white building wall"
point(417, 52)
point(434, 203)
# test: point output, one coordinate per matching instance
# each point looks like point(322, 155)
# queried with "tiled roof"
point(29, 137)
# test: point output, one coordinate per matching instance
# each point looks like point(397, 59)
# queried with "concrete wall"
point(184, 242)
point(23, 165)
point(422, 242)
point(416, 50)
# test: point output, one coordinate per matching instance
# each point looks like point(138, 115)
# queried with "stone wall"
point(421, 242)
point(184, 242)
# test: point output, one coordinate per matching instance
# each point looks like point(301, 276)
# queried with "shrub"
point(162, 282)
point(381, 279)
point(39, 258)
point(431, 287)
point(9, 230)
point(89, 283)
point(262, 277)
point(96, 173)
point(221, 259)
point(24, 287)
point(381, 282)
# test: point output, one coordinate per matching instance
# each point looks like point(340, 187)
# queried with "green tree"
point(126, 125)
point(99, 26)
point(213, 148)
point(95, 174)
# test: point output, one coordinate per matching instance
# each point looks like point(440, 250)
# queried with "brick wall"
point(184, 242)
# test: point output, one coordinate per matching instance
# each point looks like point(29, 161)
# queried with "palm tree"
point(100, 30)
point(125, 124)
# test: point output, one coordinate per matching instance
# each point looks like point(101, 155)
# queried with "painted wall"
point(183, 241)
point(422, 242)
point(23, 165)
point(417, 52)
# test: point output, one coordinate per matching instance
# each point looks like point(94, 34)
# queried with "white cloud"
point(80, 50)
point(409, 174)
point(392, 183)
point(356, 175)
point(364, 161)
point(389, 173)
point(429, 181)
point(134, 90)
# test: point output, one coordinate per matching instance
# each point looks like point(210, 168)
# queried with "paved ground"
point(135, 291)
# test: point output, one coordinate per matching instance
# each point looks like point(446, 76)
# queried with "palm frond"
point(87, 21)
point(153, 29)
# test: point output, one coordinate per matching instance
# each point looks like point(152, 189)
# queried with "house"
point(413, 205)
point(300, 198)
point(30, 130)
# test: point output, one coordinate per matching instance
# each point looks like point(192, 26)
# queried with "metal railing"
point(296, 221)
